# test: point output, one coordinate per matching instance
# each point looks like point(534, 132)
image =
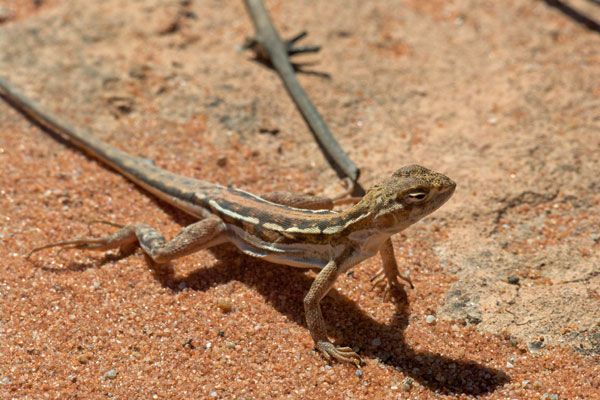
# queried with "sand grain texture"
point(503, 97)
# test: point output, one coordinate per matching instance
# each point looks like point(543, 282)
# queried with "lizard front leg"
point(314, 318)
point(298, 200)
point(200, 235)
point(389, 272)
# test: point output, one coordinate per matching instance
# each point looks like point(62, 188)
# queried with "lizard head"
point(410, 194)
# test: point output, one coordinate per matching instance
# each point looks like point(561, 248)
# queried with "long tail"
point(160, 182)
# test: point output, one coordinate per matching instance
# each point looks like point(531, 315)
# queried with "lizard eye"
point(416, 196)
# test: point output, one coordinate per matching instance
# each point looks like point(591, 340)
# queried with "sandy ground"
point(503, 97)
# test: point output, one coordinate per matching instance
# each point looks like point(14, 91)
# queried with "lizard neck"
point(362, 230)
point(358, 217)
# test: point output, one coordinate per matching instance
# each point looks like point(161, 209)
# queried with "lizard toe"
point(341, 354)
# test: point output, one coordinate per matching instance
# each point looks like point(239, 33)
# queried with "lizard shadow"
point(353, 326)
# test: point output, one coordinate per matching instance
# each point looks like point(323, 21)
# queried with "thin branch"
point(575, 15)
point(268, 45)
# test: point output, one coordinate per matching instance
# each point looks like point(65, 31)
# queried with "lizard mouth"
point(443, 195)
point(447, 191)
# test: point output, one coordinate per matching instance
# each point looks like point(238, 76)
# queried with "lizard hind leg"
point(299, 200)
point(124, 237)
point(202, 234)
point(311, 202)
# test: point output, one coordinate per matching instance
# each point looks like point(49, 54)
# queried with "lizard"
point(285, 228)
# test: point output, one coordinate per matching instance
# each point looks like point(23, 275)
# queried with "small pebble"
point(225, 305)
point(553, 397)
point(430, 319)
point(493, 121)
point(513, 280)
point(407, 384)
point(359, 373)
point(509, 365)
point(376, 342)
point(536, 345)
point(112, 374)
point(6, 381)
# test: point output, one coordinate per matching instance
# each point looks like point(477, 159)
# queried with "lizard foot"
point(125, 238)
point(390, 283)
point(341, 354)
point(81, 244)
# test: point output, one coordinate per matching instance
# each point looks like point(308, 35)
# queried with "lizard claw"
point(377, 278)
point(64, 245)
point(124, 238)
point(380, 277)
point(341, 354)
point(82, 243)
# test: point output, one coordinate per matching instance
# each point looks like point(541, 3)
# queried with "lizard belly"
point(305, 255)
